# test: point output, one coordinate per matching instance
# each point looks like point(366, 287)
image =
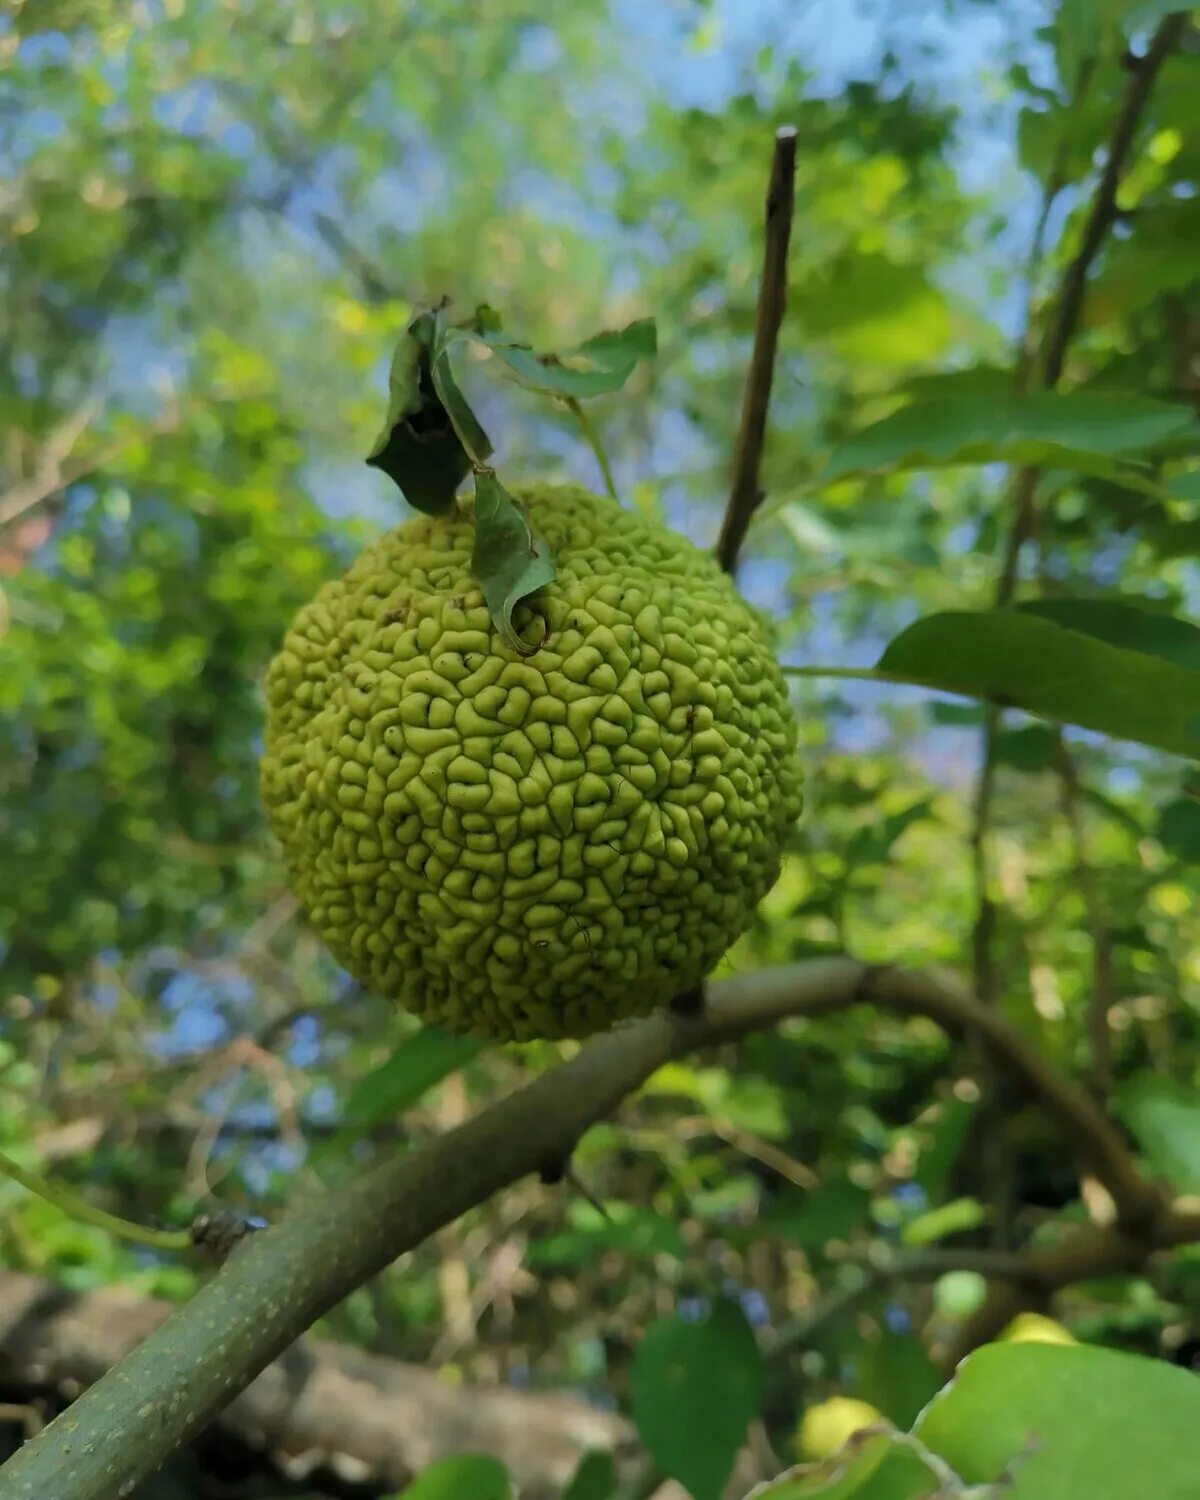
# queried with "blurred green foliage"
point(216, 219)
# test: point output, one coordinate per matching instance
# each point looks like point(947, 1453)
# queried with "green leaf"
point(509, 561)
point(1125, 625)
point(638, 1233)
point(956, 714)
point(695, 1388)
point(471, 1476)
point(994, 382)
point(870, 308)
point(470, 434)
point(1078, 430)
point(1039, 140)
point(872, 1466)
point(896, 1376)
point(948, 1218)
point(1069, 1423)
point(1144, 15)
point(1115, 810)
point(408, 1074)
point(949, 1133)
point(1165, 1121)
point(594, 1479)
point(873, 845)
point(833, 1210)
point(1022, 658)
point(601, 365)
point(1179, 829)
point(958, 1294)
point(1030, 748)
point(1177, 539)
point(1186, 486)
point(421, 445)
point(1078, 33)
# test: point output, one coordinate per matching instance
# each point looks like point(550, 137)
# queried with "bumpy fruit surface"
point(531, 846)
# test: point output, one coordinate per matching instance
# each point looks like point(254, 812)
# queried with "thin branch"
point(84, 1212)
point(279, 1281)
point(50, 474)
point(1103, 212)
point(1069, 300)
point(53, 473)
point(1073, 285)
point(1081, 1256)
point(1024, 499)
point(880, 1272)
point(374, 284)
point(1104, 989)
point(746, 495)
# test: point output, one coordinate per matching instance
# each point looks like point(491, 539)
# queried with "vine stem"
point(592, 437)
point(77, 1208)
point(859, 674)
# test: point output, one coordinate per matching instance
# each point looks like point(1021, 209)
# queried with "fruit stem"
point(592, 438)
point(64, 1199)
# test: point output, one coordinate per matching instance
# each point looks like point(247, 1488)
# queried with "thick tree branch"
point(746, 495)
point(278, 1282)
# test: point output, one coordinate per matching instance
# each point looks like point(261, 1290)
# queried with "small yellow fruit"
point(825, 1428)
point(1034, 1328)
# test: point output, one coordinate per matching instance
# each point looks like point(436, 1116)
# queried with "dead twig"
point(746, 494)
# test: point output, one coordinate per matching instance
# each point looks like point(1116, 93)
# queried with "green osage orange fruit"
point(521, 846)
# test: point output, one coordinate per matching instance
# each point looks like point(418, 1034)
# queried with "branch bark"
point(278, 1282)
point(746, 495)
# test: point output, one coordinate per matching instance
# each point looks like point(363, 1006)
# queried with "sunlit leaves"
point(1088, 432)
point(467, 1477)
point(1179, 829)
point(416, 1065)
point(1120, 623)
point(633, 1232)
point(1066, 1422)
point(1031, 1421)
point(594, 1479)
point(1031, 661)
point(1165, 1121)
point(869, 307)
point(597, 367)
point(875, 1465)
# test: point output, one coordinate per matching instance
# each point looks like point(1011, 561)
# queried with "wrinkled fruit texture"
point(535, 846)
